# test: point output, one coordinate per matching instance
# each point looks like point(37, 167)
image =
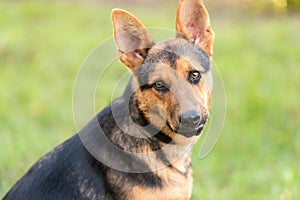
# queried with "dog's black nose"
point(190, 118)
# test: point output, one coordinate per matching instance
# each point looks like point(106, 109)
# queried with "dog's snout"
point(190, 118)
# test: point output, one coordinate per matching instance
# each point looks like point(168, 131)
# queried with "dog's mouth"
point(188, 131)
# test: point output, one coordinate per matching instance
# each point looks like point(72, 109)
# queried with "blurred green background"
point(257, 50)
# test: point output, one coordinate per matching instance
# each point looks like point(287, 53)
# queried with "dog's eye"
point(195, 77)
point(160, 86)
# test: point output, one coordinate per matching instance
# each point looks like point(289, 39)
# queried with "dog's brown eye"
point(194, 77)
point(160, 86)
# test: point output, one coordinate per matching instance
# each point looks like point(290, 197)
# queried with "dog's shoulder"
point(68, 168)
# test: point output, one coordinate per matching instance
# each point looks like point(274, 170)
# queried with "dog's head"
point(172, 78)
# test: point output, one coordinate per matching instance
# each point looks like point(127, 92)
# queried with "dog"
point(138, 147)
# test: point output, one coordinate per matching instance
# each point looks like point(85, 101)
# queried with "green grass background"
point(43, 44)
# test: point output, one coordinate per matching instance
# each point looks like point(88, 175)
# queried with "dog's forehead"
point(172, 50)
point(179, 54)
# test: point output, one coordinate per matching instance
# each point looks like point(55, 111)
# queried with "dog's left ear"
point(132, 38)
point(192, 22)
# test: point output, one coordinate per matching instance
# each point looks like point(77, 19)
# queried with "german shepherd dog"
point(145, 153)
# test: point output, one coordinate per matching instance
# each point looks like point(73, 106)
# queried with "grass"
point(42, 46)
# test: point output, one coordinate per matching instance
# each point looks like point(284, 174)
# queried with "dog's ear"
point(192, 22)
point(131, 37)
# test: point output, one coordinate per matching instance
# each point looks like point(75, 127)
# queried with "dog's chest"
point(176, 186)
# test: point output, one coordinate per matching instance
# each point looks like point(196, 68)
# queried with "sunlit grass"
point(258, 155)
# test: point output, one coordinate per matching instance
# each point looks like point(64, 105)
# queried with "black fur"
point(60, 174)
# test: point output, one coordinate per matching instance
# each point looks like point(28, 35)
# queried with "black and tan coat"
point(154, 123)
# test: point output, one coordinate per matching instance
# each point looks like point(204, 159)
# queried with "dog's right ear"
point(132, 38)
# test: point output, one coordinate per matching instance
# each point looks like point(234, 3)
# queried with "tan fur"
point(176, 187)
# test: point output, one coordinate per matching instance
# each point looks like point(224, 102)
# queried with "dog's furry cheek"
point(173, 111)
point(203, 94)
